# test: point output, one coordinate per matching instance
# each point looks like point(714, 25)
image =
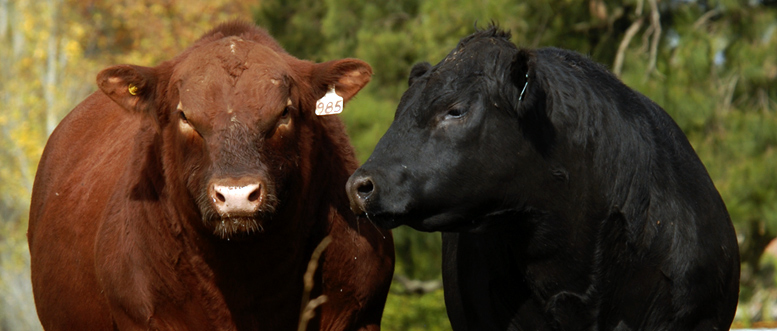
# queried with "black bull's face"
point(442, 164)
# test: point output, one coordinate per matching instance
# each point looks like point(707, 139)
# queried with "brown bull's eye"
point(183, 117)
point(285, 112)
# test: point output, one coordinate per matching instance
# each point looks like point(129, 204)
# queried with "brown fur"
point(123, 235)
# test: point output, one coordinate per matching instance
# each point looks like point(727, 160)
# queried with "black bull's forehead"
point(489, 59)
point(478, 69)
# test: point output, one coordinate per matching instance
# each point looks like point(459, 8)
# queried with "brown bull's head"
point(236, 116)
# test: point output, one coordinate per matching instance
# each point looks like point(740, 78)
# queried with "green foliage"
point(296, 25)
point(367, 117)
point(415, 312)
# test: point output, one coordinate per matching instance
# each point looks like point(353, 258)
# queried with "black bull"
point(567, 201)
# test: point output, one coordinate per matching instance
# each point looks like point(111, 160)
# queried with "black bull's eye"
point(456, 112)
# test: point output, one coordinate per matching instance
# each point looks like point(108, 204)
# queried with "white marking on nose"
point(237, 199)
point(232, 46)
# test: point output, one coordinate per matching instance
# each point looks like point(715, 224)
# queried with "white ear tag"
point(330, 103)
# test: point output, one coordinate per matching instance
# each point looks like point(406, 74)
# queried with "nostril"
point(220, 197)
point(365, 188)
point(254, 196)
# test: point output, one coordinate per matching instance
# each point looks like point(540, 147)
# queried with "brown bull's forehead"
point(232, 75)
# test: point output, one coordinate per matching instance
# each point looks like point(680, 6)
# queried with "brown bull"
point(191, 195)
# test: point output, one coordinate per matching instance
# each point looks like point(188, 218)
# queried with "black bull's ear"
point(522, 71)
point(530, 102)
point(418, 70)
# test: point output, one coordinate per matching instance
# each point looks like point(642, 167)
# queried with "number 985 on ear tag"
point(330, 103)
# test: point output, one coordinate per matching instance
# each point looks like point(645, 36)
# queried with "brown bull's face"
point(237, 125)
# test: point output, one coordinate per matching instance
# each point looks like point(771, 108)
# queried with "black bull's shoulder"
point(568, 200)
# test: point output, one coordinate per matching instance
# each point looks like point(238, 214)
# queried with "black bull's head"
point(465, 146)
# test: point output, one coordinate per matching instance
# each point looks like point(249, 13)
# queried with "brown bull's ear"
point(348, 77)
point(132, 87)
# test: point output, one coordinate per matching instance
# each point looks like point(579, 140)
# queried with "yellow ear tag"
point(133, 89)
